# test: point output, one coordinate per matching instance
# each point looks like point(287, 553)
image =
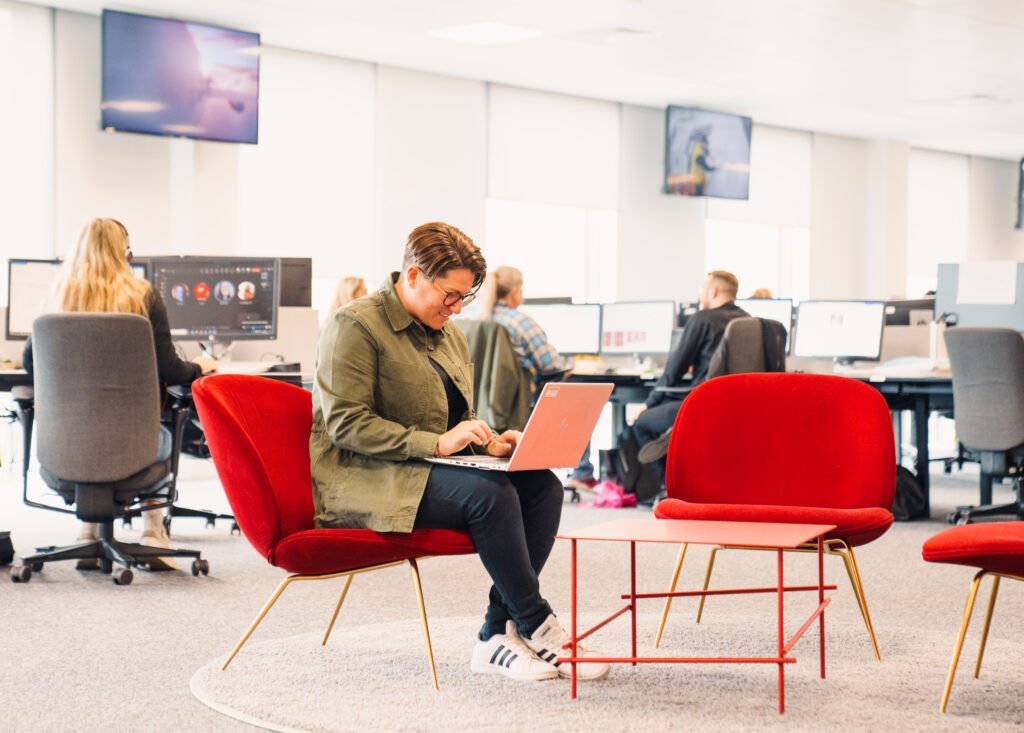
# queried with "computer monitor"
point(218, 299)
point(686, 311)
point(572, 329)
point(140, 268)
point(296, 282)
point(916, 312)
point(643, 327)
point(843, 330)
point(29, 283)
point(777, 309)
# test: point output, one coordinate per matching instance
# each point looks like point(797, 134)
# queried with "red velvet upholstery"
point(258, 433)
point(784, 448)
point(995, 546)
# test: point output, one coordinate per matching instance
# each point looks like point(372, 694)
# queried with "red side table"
point(736, 534)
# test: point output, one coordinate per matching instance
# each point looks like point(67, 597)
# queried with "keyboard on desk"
point(245, 367)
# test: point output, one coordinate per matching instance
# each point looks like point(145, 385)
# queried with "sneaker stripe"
point(497, 651)
point(550, 658)
point(501, 662)
point(511, 659)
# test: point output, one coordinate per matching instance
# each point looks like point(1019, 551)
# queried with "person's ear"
point(412, 275)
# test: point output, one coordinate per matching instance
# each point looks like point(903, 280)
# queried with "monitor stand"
point(216, 350)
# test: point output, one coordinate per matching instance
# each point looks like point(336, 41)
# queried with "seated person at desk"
point(96, 278)
point(349, 289)
point(504, 290)
point(701, 337)
point(393, 387)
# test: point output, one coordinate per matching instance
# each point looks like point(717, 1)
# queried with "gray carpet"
point(80, 653)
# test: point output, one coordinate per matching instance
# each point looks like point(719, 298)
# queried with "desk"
point(629, 389)
point(10, 378)
point(679, 531)
point(923, 396)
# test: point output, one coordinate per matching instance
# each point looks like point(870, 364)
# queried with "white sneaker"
point(549, 641)
point(507, 654)
point(154, 538)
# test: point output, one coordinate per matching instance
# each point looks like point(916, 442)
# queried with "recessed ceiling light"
point(484, 33)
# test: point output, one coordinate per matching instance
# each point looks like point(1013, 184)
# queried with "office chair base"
point(108, 551)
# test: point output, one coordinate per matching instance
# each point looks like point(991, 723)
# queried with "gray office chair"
point(988, 407)
point(97, 417)
point(748, 345)
point(501, 387)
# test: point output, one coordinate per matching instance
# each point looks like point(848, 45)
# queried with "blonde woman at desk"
point(349, 289)
point(96, 277)
point(393, 387)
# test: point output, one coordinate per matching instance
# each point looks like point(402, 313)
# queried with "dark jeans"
point(512, 518)
point(654, 421)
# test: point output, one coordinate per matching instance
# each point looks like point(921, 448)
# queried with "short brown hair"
point(726, 282)
point(436, 248)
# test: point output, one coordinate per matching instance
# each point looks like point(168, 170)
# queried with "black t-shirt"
point(456, 402)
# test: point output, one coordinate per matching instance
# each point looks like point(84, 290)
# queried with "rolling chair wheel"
point(235, 529)
point(123, 576)
point(211, 523)
point(21, 573)
point(126, 523)
point(37, 566)
point(200, 566)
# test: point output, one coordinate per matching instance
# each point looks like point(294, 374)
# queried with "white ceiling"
point(941, 74)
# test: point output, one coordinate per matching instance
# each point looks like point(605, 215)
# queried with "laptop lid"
point(560, 426)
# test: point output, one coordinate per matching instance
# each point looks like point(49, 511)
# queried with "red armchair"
point(258, 433)
point(800, 448)
point(995, 547)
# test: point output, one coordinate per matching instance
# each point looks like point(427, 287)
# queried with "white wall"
point(993, 211)
point(937, 215)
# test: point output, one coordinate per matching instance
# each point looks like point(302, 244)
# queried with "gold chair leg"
point(850, 561)
point(259, 618)
point(671, 589)
point(423, 617)
point(960, 639)
point(707, 580)
point(988, 621)
point(337, 608)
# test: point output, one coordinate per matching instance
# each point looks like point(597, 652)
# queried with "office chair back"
point(988, 386)
point(783, 439)
point(502, 388)
point(97, 395)
point(749, 345)
point(258, 431)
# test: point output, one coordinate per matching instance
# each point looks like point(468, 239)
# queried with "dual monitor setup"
point(844, 330)
point(208, 299)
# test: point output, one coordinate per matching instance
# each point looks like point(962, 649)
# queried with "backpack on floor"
point(636, 478)
point(909, 501)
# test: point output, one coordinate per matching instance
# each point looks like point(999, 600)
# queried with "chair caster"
point(211, 523)
point(37, 566)
point(21, 574)
point(235, 529)
point(126, 523)
point(200, 566)
point(123, 576)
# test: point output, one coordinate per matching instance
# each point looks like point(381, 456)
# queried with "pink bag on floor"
point(611, 494)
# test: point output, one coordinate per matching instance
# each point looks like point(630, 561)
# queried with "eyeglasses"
point(450, 299)
point(128, 254)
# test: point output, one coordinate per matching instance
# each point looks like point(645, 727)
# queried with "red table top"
point(699, 532)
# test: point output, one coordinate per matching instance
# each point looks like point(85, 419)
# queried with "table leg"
point(573, 645)
point(821, 599)
point(618, 422)
point(632, 591)
point(921, 412)
point(782, 641)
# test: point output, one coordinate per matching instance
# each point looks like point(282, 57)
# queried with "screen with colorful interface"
point(29, 283)
point(777, 309)
point(637, 328)
point(572, 329)
point(707, 153)
point(218, 298)
point(839, 329)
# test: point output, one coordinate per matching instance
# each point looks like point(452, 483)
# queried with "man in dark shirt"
point(701, 337)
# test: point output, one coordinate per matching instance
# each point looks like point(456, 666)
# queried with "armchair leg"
point(423, 617)
point(337, 608)
point(259, 618)
point(960, 639)
point(671, 589)
point(850, 562)
point(707, 580)
point(988, 622)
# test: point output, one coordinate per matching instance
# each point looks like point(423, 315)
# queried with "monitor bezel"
point(154, 133)
point(7, 314)
point(526, 309)
point(844, 357)
point(155, 262)
point(672, 322)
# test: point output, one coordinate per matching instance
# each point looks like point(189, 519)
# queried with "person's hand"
point(208, 365)
point(466, 432)
point(504, 444)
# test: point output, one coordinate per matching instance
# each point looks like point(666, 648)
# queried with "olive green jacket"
point(378, 407)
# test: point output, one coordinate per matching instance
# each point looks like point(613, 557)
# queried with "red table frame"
point(777, 536)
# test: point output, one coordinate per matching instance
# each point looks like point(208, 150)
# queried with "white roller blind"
point(937, 218)
point(552, 149)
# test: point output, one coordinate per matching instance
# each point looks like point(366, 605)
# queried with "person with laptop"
point(97, 277)
point(393, 388)
point(701, 337)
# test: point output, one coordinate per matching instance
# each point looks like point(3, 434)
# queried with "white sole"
point(495, 669)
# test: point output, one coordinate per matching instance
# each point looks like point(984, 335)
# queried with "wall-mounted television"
point(171, 77)
point(706, 153)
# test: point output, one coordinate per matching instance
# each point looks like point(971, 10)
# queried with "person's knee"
point(496, 497)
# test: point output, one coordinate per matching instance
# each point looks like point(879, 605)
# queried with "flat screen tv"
point(706, 153)
point(170, 77)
